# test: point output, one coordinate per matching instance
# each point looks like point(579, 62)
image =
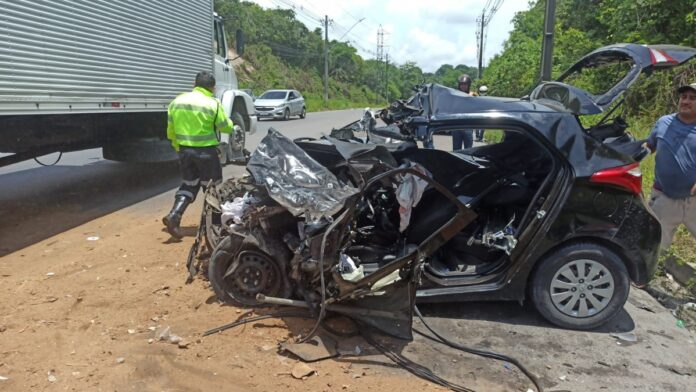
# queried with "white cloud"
point(429, 33)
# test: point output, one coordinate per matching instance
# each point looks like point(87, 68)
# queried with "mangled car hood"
point(295, 180)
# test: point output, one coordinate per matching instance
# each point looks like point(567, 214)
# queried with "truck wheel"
point(580, 286)
point(303, 113)
point(236, 141)
point(222, 151)
point(286, 115)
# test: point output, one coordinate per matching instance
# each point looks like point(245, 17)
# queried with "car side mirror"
point(239, 40)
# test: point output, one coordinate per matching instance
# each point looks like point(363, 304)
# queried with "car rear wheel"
point(303, 113)
point(286, 115)
point(580, 286)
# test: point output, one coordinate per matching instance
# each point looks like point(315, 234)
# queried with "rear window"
point(600, 76)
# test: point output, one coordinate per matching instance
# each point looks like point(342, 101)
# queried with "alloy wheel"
point(582, 288)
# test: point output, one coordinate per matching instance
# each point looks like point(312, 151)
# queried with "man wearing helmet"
point(464, 136)
point(483, 90)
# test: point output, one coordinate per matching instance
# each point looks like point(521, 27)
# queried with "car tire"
point(237, 155)
point(580, 286)
point(286, 115)
point(303, 113)
point(230, 289)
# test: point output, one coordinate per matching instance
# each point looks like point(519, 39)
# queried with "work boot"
point(173, 219)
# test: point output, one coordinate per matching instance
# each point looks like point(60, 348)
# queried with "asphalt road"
point(38, 202)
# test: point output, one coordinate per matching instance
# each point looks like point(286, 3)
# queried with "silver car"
point(280, 104)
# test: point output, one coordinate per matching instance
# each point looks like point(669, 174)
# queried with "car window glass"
point(219, 43)
point(216, 44)
point(445, 139)
point(291, 95)
point(273, 95)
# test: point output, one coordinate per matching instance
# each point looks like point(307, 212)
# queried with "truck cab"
point(224, 75)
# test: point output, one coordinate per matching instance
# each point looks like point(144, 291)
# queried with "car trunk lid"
point(583, 90)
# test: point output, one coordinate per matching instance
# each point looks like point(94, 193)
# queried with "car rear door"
point(293, 103)
point(298, 100)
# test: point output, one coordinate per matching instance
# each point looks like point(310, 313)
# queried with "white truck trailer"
point(79, 74)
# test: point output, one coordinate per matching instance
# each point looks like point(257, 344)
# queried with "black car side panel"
point(610, 216)
point(585, 154)
point(640, 238)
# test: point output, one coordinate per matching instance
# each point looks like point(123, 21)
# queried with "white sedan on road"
point(280, 104)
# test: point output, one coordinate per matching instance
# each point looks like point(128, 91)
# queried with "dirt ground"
point(77, 309)
point(76, 314)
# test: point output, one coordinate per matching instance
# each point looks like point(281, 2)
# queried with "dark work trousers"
point(464, 136)
point(199, 165)
point(479, 135)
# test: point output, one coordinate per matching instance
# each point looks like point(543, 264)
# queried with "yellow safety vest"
point(193, 119)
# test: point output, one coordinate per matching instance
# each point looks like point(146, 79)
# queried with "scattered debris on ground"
point(680, 299)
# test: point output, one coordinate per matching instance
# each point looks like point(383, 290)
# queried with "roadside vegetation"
point(281, 52)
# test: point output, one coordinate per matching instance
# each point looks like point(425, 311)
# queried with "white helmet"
point(483, 89)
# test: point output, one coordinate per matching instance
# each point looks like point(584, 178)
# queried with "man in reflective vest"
point(194, 120)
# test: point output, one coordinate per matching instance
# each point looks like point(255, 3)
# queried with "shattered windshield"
point(273, 95)
point(295, 180)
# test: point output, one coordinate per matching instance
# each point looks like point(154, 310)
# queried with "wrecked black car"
point(548, 209)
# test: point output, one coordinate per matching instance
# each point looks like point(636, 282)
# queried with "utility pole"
point(547, 40)
point(386, 77)
point(490, 9)
point(480, 35)
point(326, 60)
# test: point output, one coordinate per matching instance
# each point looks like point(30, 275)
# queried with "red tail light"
point(627, 177)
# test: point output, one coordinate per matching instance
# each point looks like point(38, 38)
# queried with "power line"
point(300, 12)
point(300, 9)
point(311, 7)
point(482, 21)
point(308, 15)
point(287, 51)
point(345, 11)
point(347, 31)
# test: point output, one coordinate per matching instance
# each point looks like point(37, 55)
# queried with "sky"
point(427, 32)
